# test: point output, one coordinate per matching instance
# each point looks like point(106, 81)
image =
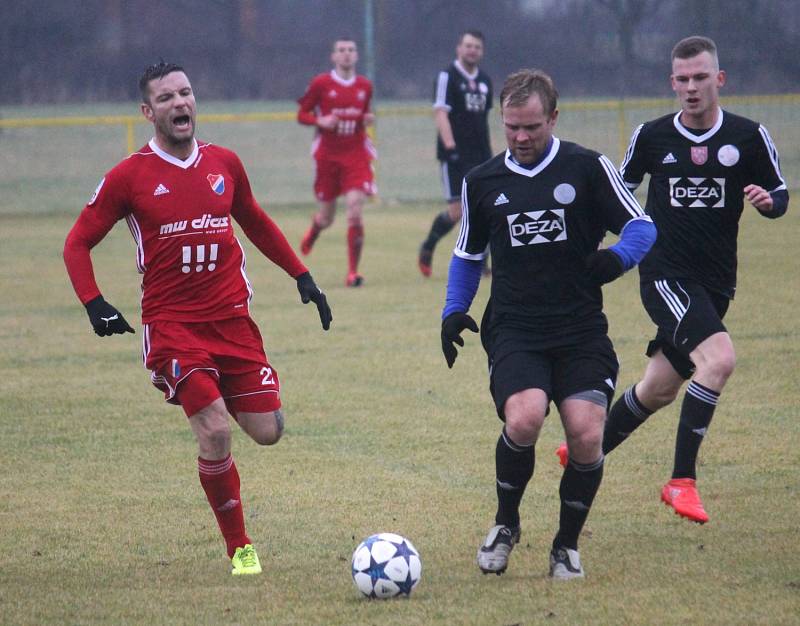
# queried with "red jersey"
point(179, 213)
point(349, 100)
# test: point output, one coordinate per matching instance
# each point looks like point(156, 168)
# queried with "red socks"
point(355, 240)
point(220, 481)
point(314, 230)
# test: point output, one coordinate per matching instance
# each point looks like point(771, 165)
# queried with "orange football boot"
point(563, 454)
point(681, 494)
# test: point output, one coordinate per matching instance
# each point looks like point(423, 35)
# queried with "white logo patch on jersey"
point(534, 227)
point(160, 190)
point(564, 193)
point(728, 155)
point(97, 191)
point(501, 199)
point(697, 192)
point(475, 102)
point(670, 158)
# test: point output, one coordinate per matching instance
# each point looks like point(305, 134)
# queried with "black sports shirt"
point(696, 196)
point(541, 224)
point(467, 98)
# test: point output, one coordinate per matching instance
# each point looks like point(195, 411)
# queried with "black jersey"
point(467, 99)
point(696, 196)
point(540, 225)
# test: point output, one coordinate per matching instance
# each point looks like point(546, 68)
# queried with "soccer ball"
point(386, 565)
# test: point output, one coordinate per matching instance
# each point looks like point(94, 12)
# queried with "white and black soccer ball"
point(386, 565)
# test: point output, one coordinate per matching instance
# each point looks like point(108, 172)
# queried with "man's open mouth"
point(182, 121)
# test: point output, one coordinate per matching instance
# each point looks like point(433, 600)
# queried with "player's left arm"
point(770, 204)
point(768, 192)
point(368, 117)
point(272, 243)
point(625, 217)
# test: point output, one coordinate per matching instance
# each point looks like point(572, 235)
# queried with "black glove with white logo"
point(451, 155)
point(452, 325)
point(105, 319)
point(603, 266)
point(309, 292)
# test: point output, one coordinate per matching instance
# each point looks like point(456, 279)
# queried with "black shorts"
point(453, 175)
point(560, 371)
point(686, 314)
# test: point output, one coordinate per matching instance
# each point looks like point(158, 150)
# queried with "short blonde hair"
point(522, 84)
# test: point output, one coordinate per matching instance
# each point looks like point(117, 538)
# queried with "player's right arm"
point(307, 114)
point(634, 166)
point(444, 129)
point(464, 276)
point(105, 208)
point(441, 115)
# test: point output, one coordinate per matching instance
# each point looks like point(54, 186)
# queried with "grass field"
point(103, 520)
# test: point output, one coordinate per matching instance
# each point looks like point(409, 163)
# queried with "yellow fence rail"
point(56, 167)
point(620, 106)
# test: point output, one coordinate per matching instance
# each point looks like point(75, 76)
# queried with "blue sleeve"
point(635, 241)
point(780, 202)
point(463, 279)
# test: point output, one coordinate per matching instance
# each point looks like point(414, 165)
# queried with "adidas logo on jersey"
point(160, 190)
point(501, 199)
point(669, 159)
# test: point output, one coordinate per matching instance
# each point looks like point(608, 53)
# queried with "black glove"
point(452, 325)
point(603, 266)
point(105, 319)
point(451, 155)
point(309, 292)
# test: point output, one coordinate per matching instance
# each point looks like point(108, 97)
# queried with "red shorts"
point(338, 174)
point(196, 363)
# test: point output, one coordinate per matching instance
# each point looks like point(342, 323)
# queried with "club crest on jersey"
point(697, 192)
point(534, 227)
point(217, 182)
point(699, 154)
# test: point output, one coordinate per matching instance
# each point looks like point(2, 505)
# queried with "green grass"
point(103, 519)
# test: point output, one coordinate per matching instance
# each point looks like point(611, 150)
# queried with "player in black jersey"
point(702, 162)
point(462, 99)
point(543, 207)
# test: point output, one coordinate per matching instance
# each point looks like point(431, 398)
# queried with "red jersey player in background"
point(338, 105)
point(203, 350)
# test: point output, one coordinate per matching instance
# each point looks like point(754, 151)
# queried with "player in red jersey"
point(178, 197)
point(338, 105)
